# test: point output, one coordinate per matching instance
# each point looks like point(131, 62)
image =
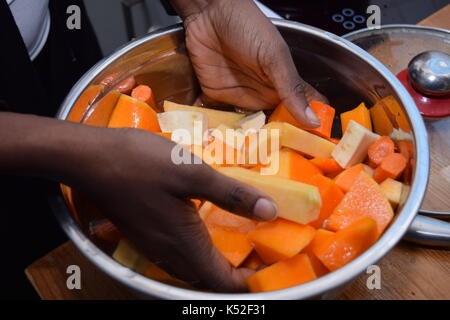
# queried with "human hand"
point(130, 175)
point(241, 59)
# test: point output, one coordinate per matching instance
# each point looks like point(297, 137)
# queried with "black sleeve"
point(170, 11)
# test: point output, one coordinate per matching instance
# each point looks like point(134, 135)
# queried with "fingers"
point(232, 195)
point(290, 86)
point(197, 261)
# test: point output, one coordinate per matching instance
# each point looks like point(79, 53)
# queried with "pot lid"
point(396, 46)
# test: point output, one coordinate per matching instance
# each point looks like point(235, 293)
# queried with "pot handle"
point(428, 231)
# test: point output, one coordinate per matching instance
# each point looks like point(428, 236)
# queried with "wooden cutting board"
point(407, 272)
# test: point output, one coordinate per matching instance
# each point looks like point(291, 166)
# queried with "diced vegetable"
point(391, 167)
point(295, 167)
point(194, 123)
point(382, 119)
point(215, 117)
point(324, 113)
point(321, 239)
point(280, 239)
point(253, 261)
point(296, 201)
point(331, 196)
point(145, 94)
point(302, 141)
point(132, 113)
point(327, 165)
point(347, 244)
point(360, 115)
point(352, 148)
point(379, 150)
point(363, 199)
point(253, 122)
point(233, 244)
point(283, 274)
point(346, 178)
point(392, 189)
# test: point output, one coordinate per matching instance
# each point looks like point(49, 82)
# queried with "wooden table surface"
point(409, 271)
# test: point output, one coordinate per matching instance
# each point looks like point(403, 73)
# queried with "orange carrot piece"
point(132, 113)
point(124, 87)
point(330, 194)
point(322, 238)
point(283, 274)
point(363, 199)
point(347, 244)
point(280, 239)
point(145, 94)
point(391, 167)
point(347, 177)
point(294, 166)
point(327, 165)
point(379, 150)
point(405, 148)
point(105, 230)
point(253, 261)
point(324, 113)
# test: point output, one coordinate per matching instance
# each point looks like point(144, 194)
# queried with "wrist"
point(45, 147)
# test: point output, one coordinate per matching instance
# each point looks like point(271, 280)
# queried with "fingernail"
point(312, 117)
point(265, 209)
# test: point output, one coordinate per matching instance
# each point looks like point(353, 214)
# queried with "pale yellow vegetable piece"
point(215, 117)
point(296, 201)
point(352, 148)
point(301, 140)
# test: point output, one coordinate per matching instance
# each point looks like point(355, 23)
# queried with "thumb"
point(236, 197)
point(290, 87)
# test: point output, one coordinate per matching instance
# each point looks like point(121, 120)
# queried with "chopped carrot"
point(347, 244)
point(379, 150)
point(324, 113)
point(322, 238)
point(283, 274)
point(327, 165)
point(253, 261)
point(331, 196)
point(280, 239)
point(294, 166)
point(124, 87)
point(405, 148)
point(360, 114)
point(105, 230)
point(346, 178)
point(364, 199)
point(391, 167)
point(145, 94)
point(132, 113)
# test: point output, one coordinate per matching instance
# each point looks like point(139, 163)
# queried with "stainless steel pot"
point(342, 71)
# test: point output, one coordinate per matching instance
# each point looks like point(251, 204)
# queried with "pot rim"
point(311, 289)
